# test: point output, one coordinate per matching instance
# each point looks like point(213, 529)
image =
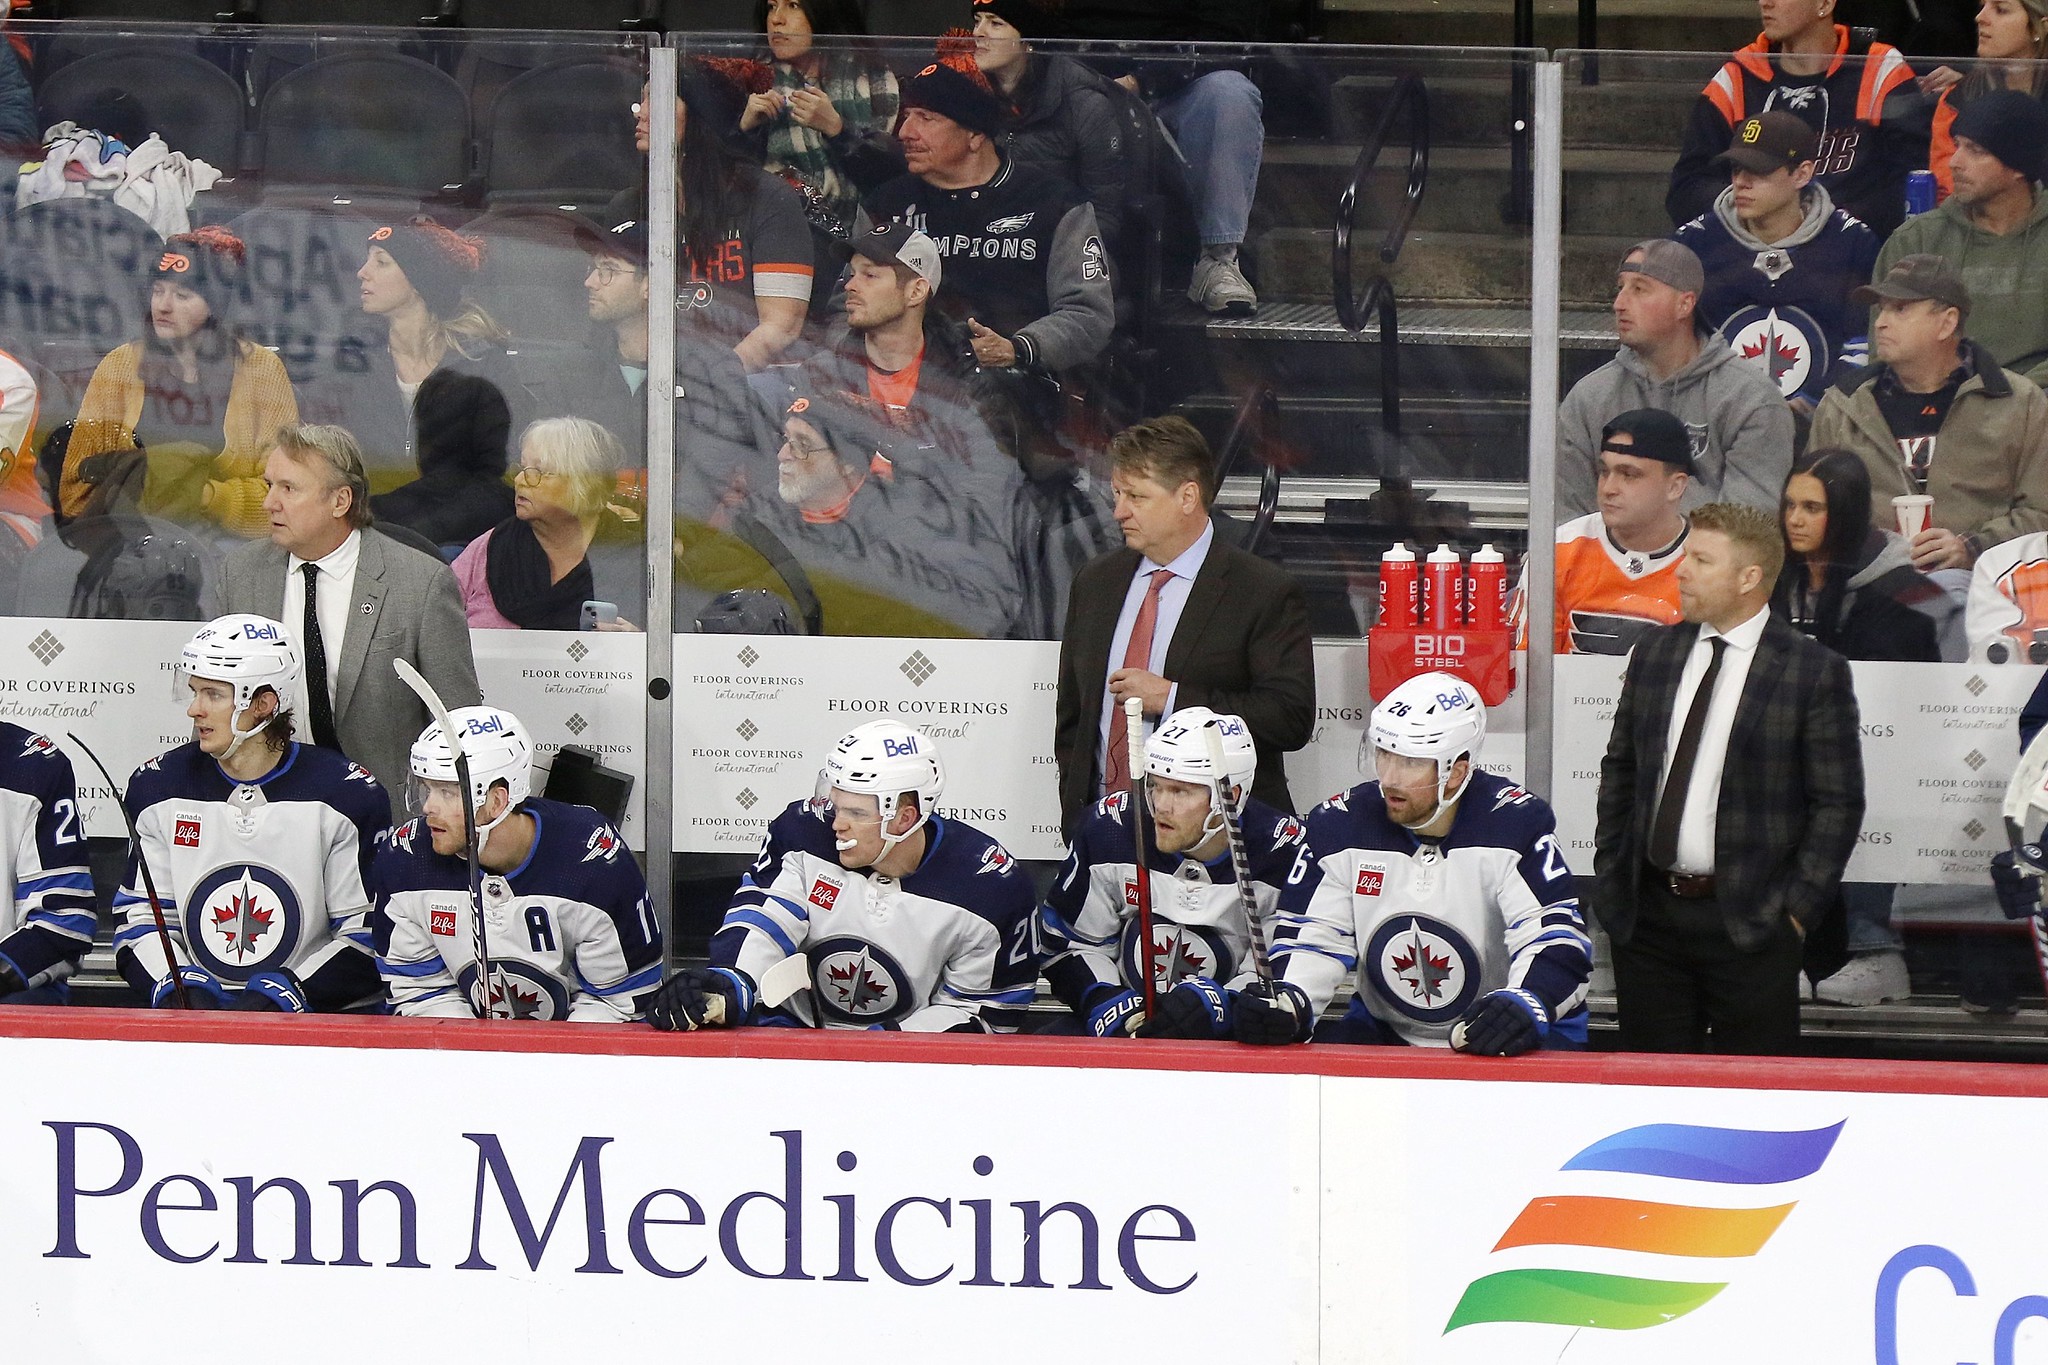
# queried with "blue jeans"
point(1869, 906)
point(1220, 124)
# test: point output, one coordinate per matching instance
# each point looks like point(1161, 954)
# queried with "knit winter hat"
point(437, 263)
point(2011, 126)
point(962, 95)
point(209, 262)
point(1031, 18)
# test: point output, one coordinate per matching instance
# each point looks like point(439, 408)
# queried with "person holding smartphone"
point(571, 548)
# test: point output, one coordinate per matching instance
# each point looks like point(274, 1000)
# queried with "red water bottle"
point(1440, 596)
point(1400, 589)
point(1486, 590)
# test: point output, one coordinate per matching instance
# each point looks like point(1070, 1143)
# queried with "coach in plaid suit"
point(1730, 798)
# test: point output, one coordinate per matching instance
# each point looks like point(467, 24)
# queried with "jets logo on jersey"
point(1341, 801)
point(1510, 796)
point(995, 858)
point(823, 893)
point(1288, 830)
point(518, 991)
point(1372, 879)
point(240, 919)
point(856, 981)
point(185, 831)
point(402, 835)
point(1178, 951)
point(1116, 803)
point(1015, 223)
point(1425, 968)
point(1788, 346)
point(602, 844)
point(358, 773)
point(37, 744)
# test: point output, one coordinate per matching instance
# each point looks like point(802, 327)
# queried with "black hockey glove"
point(1113, 1013)
point(702, 997)
point(2016, 874)
point(278, 991)
point(1270, 1015)
point(10, 979)
point(202, 992)
point(1503, 1023)
point(1196, 1007)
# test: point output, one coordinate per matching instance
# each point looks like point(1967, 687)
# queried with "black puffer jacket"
point(1066, 124)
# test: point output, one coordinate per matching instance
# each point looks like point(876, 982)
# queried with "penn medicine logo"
point(1639, 1229)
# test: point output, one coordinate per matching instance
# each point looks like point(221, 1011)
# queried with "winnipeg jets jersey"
point(1607, 596)
point(1088, 925)
point(570, 932)
point(1430, 925)
point(46, 912)
point(948, 947)
point(253, 876)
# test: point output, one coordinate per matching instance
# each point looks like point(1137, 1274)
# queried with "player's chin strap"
point(483, 831)
point(240, 734)
point(894, 803)
point(1445, 798)
point(1216, 824)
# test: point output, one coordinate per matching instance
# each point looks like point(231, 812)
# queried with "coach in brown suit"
point(1177, 618)
point(1730, 798)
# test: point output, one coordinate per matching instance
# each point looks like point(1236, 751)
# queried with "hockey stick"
point(1240, 865)
point(1134, 738)
point(479, 944)
point(156, 906)
point(2025, 793)
point(785, 979)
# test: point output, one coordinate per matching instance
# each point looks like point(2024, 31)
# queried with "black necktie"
point(1671, 809)
point(322, 719)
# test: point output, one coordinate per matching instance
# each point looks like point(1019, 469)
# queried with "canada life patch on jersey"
point(823, 893)
point(602, 844)
point(441, 921)
point(185, 831)
point(1130, 894)
point(1372, 879)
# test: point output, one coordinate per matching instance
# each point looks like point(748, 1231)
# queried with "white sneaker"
point(1872, 979)
point(1805, 988)
point(1221, 288)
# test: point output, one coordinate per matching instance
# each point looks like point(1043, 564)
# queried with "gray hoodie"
point(1943, 608)
point(1741, 429)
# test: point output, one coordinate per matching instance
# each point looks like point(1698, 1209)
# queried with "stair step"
point(1639, 102)
point(1443, 267)
point(1419, 326)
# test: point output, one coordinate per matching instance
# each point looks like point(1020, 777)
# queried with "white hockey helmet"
point(1432, 715)
point(249, 653)
point(885, 759)
point(1179, 749)
point(497, 748)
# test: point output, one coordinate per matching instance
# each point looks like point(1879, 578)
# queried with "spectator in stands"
point(2012, 47)
point(830, 115)
point(747, 262)
point(1851, 586)
point(21, 502)
point(1936, 415)
point(1025, 264)
point(21, 132)
point(1863, 107)
point(2006, 618)
point(606, 379)
point(1781, 261)
point(193, 392)
point(1994, 228)
point(1617, 568)
point(1213, 110)
point(436, 403)
point(1740, 427)
point(564, 543)
point(1065, 120)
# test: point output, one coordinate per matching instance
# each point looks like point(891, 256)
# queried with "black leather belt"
point(1687, 886)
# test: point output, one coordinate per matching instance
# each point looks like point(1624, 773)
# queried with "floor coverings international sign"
point(777, 1193)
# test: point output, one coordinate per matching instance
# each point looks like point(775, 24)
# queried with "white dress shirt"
point(1172, 598)
point(1697, 826)
point(337, 585)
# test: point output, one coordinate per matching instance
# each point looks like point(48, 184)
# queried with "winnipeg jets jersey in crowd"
point(948, 947)
point(254, 876)
point(46, 911)
point(1089, 922)
point(1430, 925)
point(570, 932)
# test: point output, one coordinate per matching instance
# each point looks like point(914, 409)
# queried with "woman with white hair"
point(567, 542)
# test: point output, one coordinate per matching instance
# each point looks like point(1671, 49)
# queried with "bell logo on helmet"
point(1229, 725)
point(258, 630)
point(900, 748)
point(1452, 701)
point(485, 725)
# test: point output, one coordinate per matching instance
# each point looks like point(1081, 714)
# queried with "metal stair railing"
point(1376, 301)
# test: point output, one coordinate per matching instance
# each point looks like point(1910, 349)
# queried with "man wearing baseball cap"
point(1936, 415)
point(1990, 226)
point(1025, 266)
point(1781, 260)
point(1740, 428)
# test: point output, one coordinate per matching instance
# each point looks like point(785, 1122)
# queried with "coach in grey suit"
point(1223, 629)
point(1730, 799)
point(376, 600)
